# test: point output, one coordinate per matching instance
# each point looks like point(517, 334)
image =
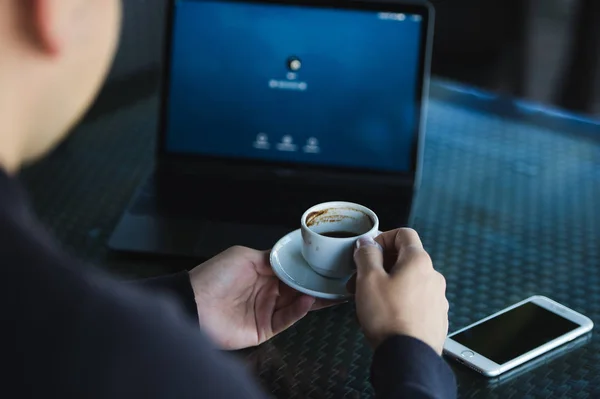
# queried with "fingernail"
point(367, 242)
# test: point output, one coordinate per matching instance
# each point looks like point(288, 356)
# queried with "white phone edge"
point(489, 368)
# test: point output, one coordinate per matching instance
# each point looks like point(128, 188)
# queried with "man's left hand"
point(241, 303)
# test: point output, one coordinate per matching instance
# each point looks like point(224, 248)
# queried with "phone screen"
point(515, 332)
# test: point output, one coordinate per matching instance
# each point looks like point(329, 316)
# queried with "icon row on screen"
point(286, 144)
point(391, 16)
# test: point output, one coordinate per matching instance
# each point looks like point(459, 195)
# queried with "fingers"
point(413, 256)
point(262, 262)
point(394, 242)
point(406, 238)
point(285, 317)
point(368, 257)
point(324, 303)
point(398, 238)
point(387, 240)
point(410, 251)
point(287, 295)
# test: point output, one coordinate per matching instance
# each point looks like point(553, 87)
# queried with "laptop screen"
point(294, 84)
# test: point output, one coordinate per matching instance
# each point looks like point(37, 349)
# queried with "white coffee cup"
point(329, 234)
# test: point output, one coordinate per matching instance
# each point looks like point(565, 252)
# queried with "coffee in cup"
point(329, 234)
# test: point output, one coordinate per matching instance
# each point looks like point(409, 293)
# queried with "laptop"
point(271, 106)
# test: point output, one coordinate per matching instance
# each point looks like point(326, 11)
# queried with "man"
point(75, 332)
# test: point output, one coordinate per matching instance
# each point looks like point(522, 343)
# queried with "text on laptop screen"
point(321, 86)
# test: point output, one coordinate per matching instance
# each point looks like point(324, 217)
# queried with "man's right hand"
point(398, 292)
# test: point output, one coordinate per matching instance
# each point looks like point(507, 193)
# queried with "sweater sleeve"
point(178, 286)
point(405, 367)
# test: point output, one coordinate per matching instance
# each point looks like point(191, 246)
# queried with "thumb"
point(287, 316)
point(368, 257)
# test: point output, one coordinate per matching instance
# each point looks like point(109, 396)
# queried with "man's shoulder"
point(26, 244)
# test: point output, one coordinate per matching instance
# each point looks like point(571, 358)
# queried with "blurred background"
point(543, 50)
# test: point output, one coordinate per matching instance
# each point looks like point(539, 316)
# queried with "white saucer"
point(291, 268)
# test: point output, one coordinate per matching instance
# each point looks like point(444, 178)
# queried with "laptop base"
point(199, 217)
point(193, 238)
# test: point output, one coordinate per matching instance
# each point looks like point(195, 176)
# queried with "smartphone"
point(532, 365)
point(516, 335)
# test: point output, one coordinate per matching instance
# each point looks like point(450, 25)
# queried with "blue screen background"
point(353, 100)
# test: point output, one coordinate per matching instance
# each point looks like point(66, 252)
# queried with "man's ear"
point(51, 23)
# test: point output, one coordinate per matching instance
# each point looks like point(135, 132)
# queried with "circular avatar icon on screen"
point(294, 64)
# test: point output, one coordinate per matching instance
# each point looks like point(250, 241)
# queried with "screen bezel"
point(422, 8)
point(490, 368)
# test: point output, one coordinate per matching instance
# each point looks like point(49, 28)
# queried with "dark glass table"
point(509, 207)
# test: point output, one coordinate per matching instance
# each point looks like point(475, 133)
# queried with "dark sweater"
point(72, 331)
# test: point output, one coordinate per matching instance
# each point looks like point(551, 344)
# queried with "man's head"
point(54, 55)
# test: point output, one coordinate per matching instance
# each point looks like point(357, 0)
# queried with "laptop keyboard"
point(233, 202)
point(252, 202)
